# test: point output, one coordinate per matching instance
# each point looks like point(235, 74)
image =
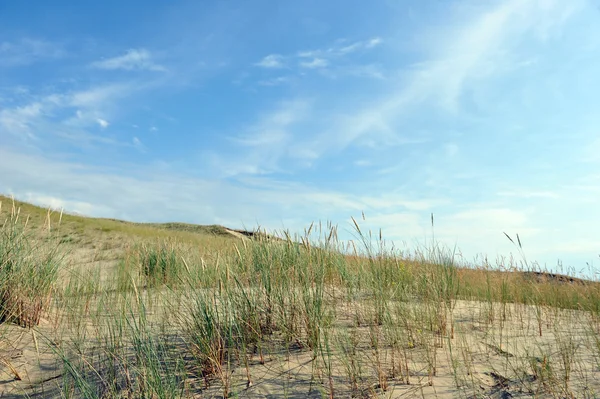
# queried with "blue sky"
point(282, 113)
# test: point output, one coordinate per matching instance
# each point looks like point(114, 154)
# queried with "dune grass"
point(181, 314)
point(28, 271)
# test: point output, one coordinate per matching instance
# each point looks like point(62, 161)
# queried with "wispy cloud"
point(478, 50)
point(341, 48)
point(361, 45)
point(266, 142)
point(65, 116)
point(483, 48)
point(92, 106)
point(98, 96)
point(19, 121)
point(475, 51)
point(376, 41)
point(319, 58)
point(132, 60)
point(28, 51)
point(138, 145)
point(273, 127)
point(109, 194)
point(314, 63)
point(271, 61)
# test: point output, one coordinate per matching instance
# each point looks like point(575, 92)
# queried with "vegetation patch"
point(28, 271)
point(159, 312)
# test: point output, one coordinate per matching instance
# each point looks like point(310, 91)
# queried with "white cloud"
point(308, 54)
point(59, 204)
point(347, 49)
point(340, 49)
point(96, 97)
point(271, 61)
point(132, 60)
point(315, 63)
point(356, 46)
point(319, 58)
point(41, 119)
point(94, 105)
point(376, 41)
point(83, 118)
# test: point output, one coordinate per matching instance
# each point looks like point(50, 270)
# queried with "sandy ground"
point(503, 359)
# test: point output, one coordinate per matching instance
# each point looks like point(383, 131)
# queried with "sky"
point(278, 114)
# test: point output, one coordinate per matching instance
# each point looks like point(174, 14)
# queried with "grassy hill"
point(82, 226)
point(100, 308)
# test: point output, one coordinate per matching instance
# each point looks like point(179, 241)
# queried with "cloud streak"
point(317, 59)
point(341, 49)
point(132, 60)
